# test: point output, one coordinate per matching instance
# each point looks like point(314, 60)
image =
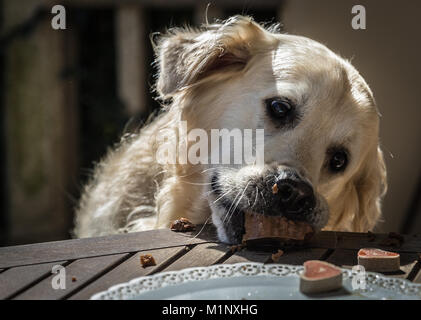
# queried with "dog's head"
point(318, 114)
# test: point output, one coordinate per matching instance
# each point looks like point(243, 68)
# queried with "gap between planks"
point(26, 277)
point(127, 270)
point(75, 274)
point(93, 247)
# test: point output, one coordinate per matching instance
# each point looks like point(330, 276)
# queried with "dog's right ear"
point(188, 56)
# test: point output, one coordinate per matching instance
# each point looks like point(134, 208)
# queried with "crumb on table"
point(182, 225)
point(147, 260)
point(277, 255)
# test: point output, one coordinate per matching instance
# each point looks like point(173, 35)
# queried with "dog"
point(321, 138)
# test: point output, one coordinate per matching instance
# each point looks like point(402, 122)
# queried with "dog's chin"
point(230, 226)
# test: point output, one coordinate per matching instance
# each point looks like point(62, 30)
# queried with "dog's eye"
point(338, 161)
point(280, 108)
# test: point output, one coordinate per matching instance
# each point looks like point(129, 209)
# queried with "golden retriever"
point(321, 145)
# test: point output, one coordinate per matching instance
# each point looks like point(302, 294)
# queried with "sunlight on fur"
point(220, 76)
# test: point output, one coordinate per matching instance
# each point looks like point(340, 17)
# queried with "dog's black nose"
point(296, 197)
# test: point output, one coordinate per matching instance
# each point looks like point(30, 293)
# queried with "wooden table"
point(95, 264)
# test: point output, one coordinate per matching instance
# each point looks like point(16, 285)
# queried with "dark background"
point(62, 106)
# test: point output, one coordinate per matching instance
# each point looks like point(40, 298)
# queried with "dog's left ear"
point(357, 207)
point(370, 186)
point(186, 57)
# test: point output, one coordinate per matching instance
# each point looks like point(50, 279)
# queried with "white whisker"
point(222, 196)
point(238, 202)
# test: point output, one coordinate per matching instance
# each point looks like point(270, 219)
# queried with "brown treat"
point(275, 189)
point(147, 260)
point(182, 225)
point(373, 259)
point(320, 276)
point(73, 279)
point(276, 256)
point(259, 226)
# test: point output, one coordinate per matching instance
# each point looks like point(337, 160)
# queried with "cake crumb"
point(147, 260)
point(276, 256)
point(275, 189)
point(182, 225)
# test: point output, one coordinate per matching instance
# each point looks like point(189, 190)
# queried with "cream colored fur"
point(217, 77)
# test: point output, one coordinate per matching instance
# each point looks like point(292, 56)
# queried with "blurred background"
point(68, 95)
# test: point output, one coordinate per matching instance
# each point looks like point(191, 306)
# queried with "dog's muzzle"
point(276, 191)
point(295, 196)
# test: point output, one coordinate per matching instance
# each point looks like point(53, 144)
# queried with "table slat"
point(82, 270)
point(130, 269)
point(201, 255)
point(91, 247)
point(246, 255)
point(417, 278)
point(299, 256)
point(15, 279)
point(355, 240)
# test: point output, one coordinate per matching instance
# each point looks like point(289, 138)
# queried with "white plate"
point(253, 281)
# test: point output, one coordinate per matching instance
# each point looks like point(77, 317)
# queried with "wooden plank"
point(77, 274)
point(200, 256)
point(16, 279)
point(353, 240)
point(91, 247)
point(246, 255)
point(346, 258)
point(417, 276)
point(324, 239)
point(356, 240)
point(299, 256)
point(408, 262)
point(130, 269)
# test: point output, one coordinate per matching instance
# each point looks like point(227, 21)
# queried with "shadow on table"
point(332, 294)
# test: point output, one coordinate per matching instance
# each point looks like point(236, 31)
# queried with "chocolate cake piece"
point(147, 260)
point(182, 225)
point(274, 230)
